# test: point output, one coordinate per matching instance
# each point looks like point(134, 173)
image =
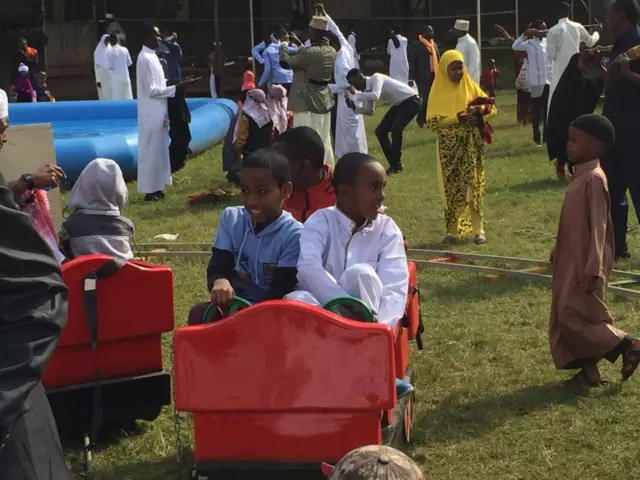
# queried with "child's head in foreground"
point(376, 462)
point(265, 183)
point(304, 149)
point(359, 182)
point(590, 137)
point(492, 63)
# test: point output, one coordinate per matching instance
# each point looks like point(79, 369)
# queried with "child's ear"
point(287, 190)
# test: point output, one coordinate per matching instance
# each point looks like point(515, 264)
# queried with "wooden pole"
point(517, 18)
point(253, 60)
point(216, 21)
point(479, 26)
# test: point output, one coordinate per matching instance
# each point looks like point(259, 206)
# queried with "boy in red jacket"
point(311, 178)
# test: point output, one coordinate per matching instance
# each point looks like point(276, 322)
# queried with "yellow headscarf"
point(447, 99)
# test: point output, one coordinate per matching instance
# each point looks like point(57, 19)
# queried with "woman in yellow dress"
point(462, 131)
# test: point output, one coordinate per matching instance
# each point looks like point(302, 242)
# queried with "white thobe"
point(154, 168)
point(563, 42)
point(119, 61)
point(101, 68)
point(399, 60)
point(468, 47)
point(350, 132)
point(333, 258)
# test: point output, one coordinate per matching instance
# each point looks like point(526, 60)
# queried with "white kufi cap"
point(462, 25)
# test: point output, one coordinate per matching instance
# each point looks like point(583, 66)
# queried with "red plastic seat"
point(135, 306)
point(284, 382)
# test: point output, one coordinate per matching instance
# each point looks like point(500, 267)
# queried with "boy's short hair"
point(354, 72)
point(269, 159)
point(304, 142)
point(348, 167)
point(629, 8)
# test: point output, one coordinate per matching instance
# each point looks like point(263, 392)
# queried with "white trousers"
point(121, 87)
point(360, 281)
point(321, 123)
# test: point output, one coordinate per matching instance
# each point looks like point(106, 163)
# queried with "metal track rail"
point(203, 250)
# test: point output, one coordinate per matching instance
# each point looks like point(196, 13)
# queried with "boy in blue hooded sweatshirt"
point(256, 247)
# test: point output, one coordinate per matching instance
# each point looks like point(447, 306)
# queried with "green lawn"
point(490, 403)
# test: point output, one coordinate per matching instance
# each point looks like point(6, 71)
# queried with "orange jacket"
point(303, 204)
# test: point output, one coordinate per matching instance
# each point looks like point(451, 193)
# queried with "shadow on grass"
point(457, 418)
point(531, 187)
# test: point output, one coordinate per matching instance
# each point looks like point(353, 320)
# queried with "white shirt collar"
point(146, 49)
point(349, 225)
point(563, 20)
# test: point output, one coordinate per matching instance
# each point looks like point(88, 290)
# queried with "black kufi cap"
point(598, 127)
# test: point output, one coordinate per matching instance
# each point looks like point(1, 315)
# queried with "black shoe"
point(537, 139)
point(624, 255)
point(394, 170)
point(152, 197)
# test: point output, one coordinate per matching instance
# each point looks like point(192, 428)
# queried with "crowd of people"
point(310, 231)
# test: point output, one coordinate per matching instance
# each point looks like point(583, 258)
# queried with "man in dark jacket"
point(423, 63)
point(33, 311)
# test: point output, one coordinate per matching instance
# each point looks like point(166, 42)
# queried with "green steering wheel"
point(237, 303)
point(351, 302)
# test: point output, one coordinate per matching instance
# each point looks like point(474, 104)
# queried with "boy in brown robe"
point(581, 331)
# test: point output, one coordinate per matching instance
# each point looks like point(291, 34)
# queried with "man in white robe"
point(350, 134)
point(398, 57)
point(119, 61)
point(154, 167)
point(563, 42)
point(468, 47)
point(101, 68)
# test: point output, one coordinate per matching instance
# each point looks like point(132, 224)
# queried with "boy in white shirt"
point(350, 250)
point(533, 43)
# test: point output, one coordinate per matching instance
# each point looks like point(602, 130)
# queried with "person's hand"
point(501, 30)
point(590, 283)
point(466, 118)
point(322, 10)
point(222, 293)
point(350, 103)
point(48, 176)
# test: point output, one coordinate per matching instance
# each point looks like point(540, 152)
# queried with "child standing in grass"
point(490, 78)
point(581, 330)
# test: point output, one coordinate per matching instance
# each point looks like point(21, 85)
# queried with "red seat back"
point(135, 306)
point(306, 383)
point(413, 301)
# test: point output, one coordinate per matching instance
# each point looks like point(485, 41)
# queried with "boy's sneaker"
point(403, 388)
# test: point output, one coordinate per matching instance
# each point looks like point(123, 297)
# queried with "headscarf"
point(22, 68)
point(100, 53)
point(36, 204)
point(277, 103)
point(4, 105)
point(248, 81)
point(22, 83)
point(100, 189)
point(256, 107)
point(447, 99)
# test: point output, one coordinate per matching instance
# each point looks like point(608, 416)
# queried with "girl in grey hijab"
point(96, 225)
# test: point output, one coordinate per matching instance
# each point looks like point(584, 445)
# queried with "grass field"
point(490, 403)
